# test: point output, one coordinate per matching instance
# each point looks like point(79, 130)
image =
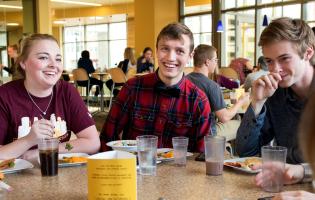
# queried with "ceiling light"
point(59, 22)
point(77, 2)
point(8, 6)
point(12, 24)
point(97, 18)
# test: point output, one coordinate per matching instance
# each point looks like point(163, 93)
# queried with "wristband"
point(307, 173)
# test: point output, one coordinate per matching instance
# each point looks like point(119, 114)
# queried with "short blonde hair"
point(295, 31)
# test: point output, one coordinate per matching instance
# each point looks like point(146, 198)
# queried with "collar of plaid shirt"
point(160, 87)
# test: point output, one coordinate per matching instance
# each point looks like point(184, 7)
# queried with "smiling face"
point(172, 56)
point(42, 65)
point(282, 57)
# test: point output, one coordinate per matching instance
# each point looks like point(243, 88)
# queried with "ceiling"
point(57, 5)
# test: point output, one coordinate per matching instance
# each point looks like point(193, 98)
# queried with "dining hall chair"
point(118, 76)
point(80, 74)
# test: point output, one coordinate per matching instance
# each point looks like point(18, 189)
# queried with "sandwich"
point(250, 162)
point(5, 164)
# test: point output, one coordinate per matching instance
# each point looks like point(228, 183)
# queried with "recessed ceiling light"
point(12, 24)
point(77, 2)
point(59, 22)
point(9, 6)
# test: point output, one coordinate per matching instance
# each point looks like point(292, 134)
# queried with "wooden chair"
point(118, 76)
point(229, 73)
point(188, 70)
point(80, 74)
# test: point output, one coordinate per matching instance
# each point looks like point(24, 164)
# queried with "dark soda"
point(49, 162)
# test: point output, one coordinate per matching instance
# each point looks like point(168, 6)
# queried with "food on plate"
point(125, 143)
point(1, 176)
point(169, 154)
point(247, 164)
point(73, 159)
point(250, 162)
point(5, 164)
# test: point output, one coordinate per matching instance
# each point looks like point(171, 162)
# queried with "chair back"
point(117, 74)
point(80, 74)
point(188, 70)
point(229, 73)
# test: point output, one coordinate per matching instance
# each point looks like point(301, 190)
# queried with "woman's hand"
point(31, 155)
point(40, 129)
point(294, 195)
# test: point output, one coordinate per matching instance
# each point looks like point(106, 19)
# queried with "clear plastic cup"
point(214, 154)
point(147, 147)
point(180, 145)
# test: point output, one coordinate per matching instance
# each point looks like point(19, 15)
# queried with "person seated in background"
point(128, 63)
point(145, 62)
point(164, 103)
point(205, 63)
point(298, 173)
point(242, 66)
point(261, 69)
point(86, 63)
point(226, 82)
point(279, 97)
point(39, 96)
point(13, 53)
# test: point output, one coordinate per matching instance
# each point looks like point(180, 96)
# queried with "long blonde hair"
point(130, 55)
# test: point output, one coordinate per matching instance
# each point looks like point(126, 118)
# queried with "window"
point(105, 42)
point(201, 28)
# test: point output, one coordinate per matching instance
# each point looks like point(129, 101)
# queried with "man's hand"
point(292, 173)
point(263, 88)
point(294, 195)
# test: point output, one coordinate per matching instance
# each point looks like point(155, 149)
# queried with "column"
point(36, 16)
point(150, 17)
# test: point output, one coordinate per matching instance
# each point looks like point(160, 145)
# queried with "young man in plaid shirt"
point(164, 103)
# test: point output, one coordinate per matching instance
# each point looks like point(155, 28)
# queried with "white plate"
point(240, 168)
point(62, 155)
point(20, 164)
point(123, 145)
point(164, 150)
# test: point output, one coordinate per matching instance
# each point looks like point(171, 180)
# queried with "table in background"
point(171, 183)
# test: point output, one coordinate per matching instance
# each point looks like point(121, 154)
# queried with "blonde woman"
point(39, 96)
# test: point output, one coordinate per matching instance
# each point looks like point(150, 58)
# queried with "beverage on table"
point(180, 145)
point(48, 156)
point(147, 148)
point(214, 154)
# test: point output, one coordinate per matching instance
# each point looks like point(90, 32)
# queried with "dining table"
point(170, 183)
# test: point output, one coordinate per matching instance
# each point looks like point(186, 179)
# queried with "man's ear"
point(309, 53)
point(192, 54)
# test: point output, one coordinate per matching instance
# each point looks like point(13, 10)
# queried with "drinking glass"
point(48, 155)
point(147, 147)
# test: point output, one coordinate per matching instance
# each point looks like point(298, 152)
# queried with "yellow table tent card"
point(112, 175)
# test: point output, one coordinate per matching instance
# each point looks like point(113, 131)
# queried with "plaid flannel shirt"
point(140, 109)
